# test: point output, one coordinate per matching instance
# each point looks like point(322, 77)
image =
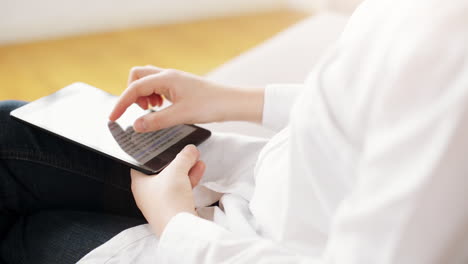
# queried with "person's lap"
point(58, 201)
point(61, 236)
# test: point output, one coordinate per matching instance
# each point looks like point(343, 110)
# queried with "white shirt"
point(370, 165)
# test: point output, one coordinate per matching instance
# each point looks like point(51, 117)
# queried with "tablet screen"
point(144, 147)
point(79, 113)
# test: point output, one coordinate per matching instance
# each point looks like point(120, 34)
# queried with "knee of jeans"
point(6, 122)
point(7, 106)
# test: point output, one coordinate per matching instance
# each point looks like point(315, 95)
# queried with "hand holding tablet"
point(143, 139)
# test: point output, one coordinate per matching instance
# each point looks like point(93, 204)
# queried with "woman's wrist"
point(243, 104)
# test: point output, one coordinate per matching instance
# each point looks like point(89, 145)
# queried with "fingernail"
point(189, 146)
point(140, 125)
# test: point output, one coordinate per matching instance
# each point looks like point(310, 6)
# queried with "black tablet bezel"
point(162, 160)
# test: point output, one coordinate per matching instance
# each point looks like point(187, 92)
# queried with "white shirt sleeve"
point(190, 239)
point(278, 101)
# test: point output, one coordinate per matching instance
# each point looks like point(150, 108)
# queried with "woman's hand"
point(195, 100)
point(162, 196)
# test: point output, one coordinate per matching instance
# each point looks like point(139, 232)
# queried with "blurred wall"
point(25, 20)
point(342, 6)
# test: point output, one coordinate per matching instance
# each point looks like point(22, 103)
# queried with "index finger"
point(143, 87)
point(139, 72)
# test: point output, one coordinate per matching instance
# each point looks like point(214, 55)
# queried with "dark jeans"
point(58, 201)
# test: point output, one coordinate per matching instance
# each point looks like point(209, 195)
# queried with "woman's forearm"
point(243, 104)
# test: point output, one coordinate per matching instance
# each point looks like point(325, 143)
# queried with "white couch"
point(286, 58)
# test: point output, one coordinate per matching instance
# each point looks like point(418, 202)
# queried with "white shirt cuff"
point(278, 101)
point(185, 237)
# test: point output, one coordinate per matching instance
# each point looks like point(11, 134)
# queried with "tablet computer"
point(79, 113)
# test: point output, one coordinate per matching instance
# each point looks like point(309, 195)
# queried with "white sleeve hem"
point(278, 102)
point(184, 237)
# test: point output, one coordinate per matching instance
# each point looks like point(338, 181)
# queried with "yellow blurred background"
point(32, 69)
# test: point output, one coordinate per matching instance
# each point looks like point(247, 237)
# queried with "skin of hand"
point(194, 99)
point(162, 196)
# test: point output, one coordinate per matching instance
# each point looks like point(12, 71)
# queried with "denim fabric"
point(58, 201)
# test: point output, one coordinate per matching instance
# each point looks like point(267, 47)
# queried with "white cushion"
point(286, 58)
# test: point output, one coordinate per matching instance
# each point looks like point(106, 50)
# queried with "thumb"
point(196, 173)
point(161, 119)
point(185, 160)
point(137, 177)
